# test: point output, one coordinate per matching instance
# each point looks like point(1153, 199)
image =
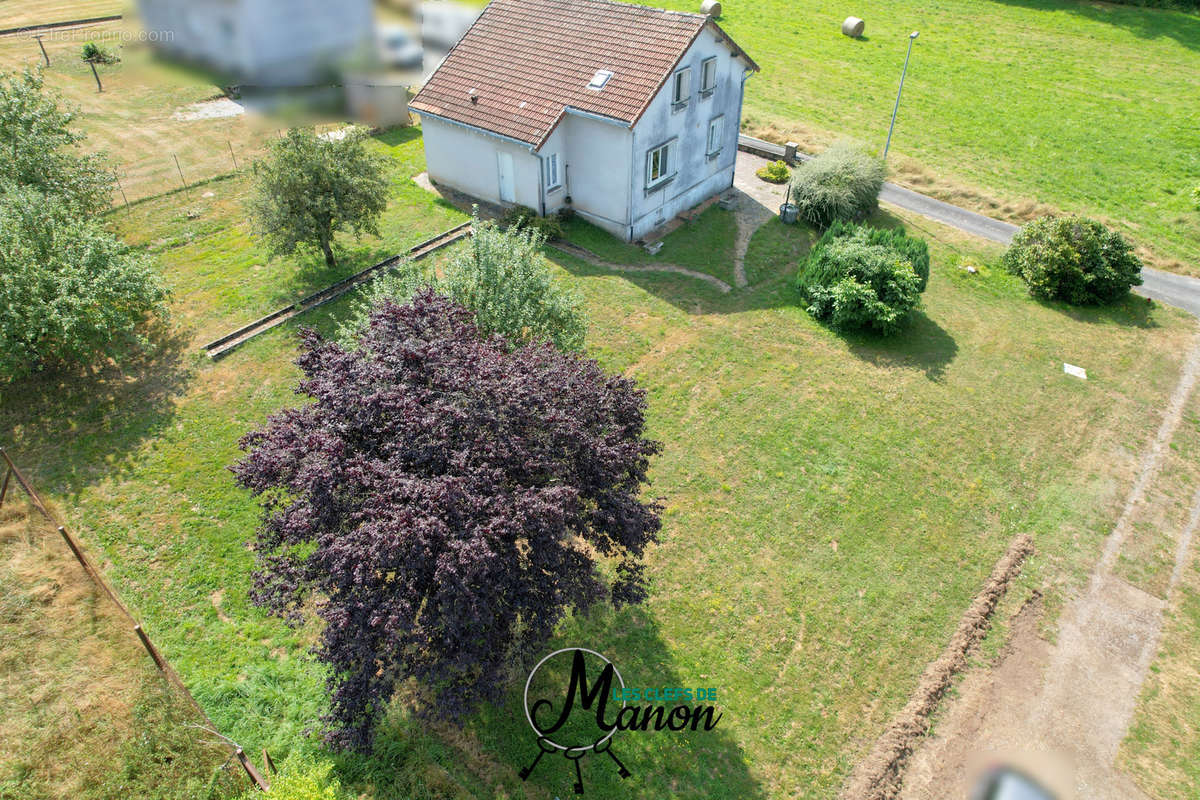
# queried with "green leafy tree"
point(94, 54)
point(70, 291)
point(501, 276)
point(309, 188)
point(1073, 259)
point(38, 147)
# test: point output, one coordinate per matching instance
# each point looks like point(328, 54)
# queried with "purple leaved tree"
point(446, 500)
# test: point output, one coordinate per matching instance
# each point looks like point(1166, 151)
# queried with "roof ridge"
point(638, 6)
point(543, 52)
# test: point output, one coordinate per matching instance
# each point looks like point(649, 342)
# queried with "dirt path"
point(592, 258)
point(754, 202)
point(1061, 711)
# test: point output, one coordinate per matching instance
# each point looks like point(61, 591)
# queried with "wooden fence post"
point(258, 779)
point(4, 489)
point(181, 178)
point(150, 648)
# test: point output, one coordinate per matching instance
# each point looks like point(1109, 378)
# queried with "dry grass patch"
point(83, 712)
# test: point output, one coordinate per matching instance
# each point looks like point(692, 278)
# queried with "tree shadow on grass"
point(1132, 310)
point(66, 430)
point(921, 344)
point(483, 758)
point(1145, 23)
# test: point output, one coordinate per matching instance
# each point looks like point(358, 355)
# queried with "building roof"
point(524, 62)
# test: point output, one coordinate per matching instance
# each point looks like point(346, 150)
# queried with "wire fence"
point(202, 161)
point(13, 478)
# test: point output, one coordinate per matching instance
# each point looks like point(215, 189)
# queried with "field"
point(133, 119)
point(832, 502)
point(1009, 106)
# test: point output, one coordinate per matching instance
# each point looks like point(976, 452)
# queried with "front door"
point(504, 164)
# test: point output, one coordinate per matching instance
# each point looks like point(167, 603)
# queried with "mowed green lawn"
point(1083, 106)
point(832, 503)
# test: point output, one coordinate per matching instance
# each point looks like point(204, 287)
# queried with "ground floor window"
point(659, 164)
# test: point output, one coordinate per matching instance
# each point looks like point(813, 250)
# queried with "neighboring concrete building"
point(630, 114)
point(264, 42)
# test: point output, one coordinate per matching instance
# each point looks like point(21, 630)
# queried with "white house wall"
point(597, 156)
point(697, 176)
point(465, 159)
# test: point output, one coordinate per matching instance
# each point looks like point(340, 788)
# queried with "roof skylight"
point(599, 79)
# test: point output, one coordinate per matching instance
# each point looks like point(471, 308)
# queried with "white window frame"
point(708, 68)
point(681, 87)
point(666, 163)
point(717, 122)
point(552, 172)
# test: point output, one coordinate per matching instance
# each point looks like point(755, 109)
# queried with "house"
point(263, 42)
point(629, 115)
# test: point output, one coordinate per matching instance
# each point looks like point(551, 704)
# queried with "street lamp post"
point(896, 108)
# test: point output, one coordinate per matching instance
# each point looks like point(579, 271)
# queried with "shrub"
point(301, 778)
point(550, 226)
point(1073, 259)
point(449, 499)
point(912, 248)
point(851, 285)
point(775, 172)
point(501, 276)
point(841, 183)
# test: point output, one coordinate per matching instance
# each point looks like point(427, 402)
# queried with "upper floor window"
point(708, 76)
point(552, 171)
point(716, 135)
point(682, 87)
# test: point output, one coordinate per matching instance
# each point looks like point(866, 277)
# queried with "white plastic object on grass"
point(1078, 372)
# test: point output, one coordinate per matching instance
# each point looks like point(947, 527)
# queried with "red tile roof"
point(527, 60)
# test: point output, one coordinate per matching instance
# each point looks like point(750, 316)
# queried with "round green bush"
point(912, 248)
point(841, 183)
point(1073, 259)
point(852, 285)
point(775, 172)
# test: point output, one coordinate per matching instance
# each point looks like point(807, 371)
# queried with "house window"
point(552, 181)
point(708, 76)
point(716, 135)
point(682, 88)
point(660, 164)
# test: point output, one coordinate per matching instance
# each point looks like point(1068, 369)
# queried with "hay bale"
point(853, 27)
point(711, 7)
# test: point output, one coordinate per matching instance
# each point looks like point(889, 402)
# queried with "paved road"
point(1166, 287)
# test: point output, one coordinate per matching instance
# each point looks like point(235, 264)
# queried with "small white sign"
point(1078, 372)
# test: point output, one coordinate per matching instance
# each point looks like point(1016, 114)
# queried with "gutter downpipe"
point(741, 99)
